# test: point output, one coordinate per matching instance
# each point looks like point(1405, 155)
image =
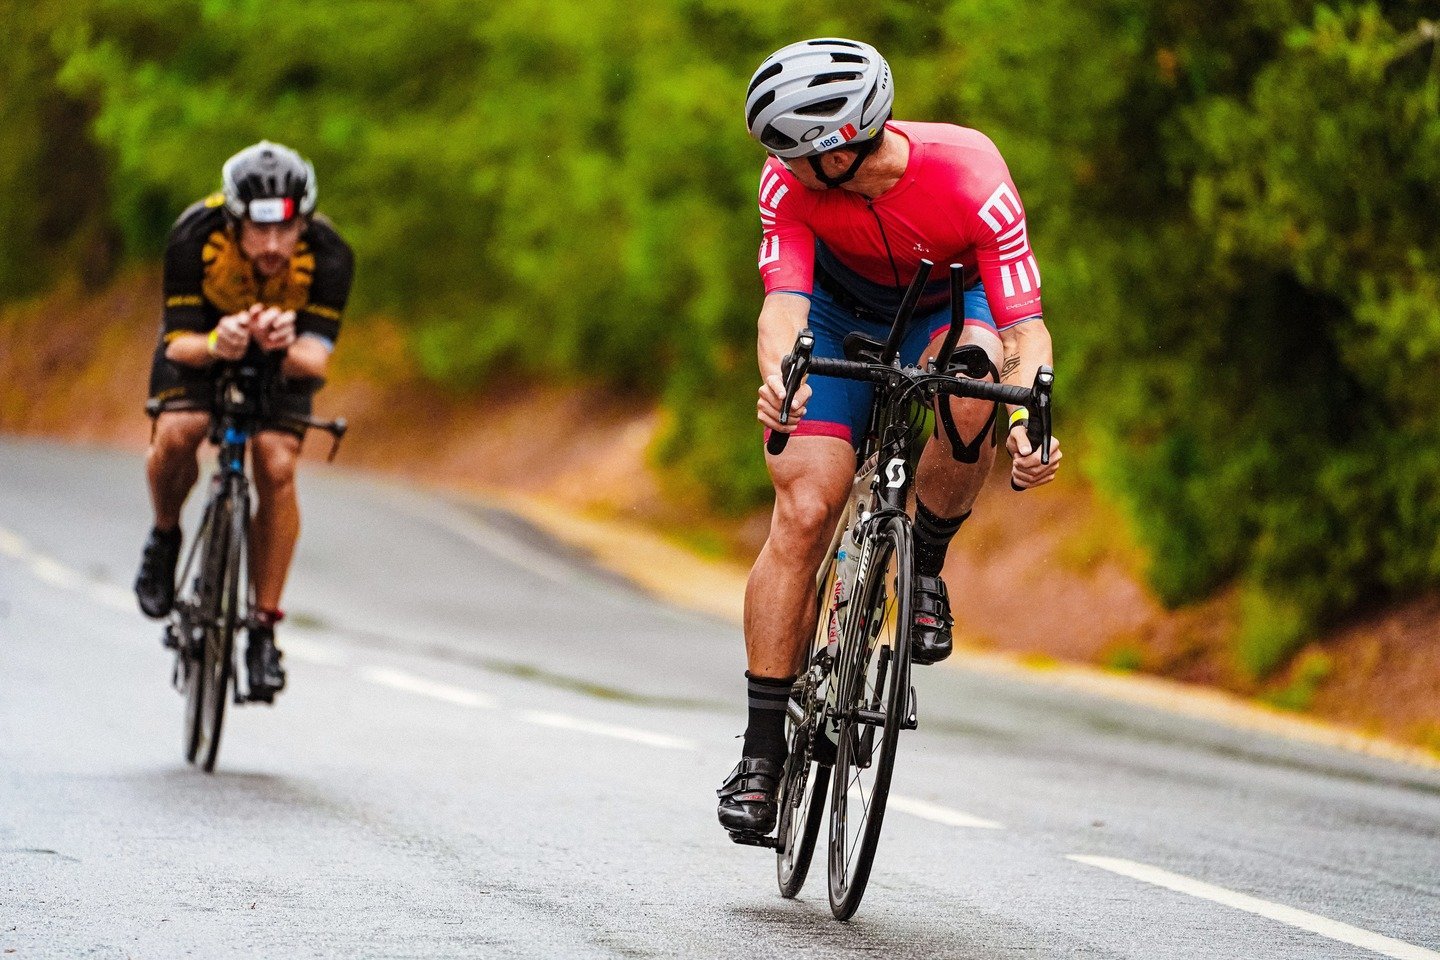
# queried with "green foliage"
point(1306, 677)
point(1125, 658)
point(1233, 203)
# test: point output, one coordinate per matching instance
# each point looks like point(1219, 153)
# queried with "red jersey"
point(955, 203)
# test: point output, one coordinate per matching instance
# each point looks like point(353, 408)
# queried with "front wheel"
point(871, 704)
point(219, 660)
point(198, 587)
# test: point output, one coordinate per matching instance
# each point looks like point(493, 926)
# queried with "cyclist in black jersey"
point(251, 272)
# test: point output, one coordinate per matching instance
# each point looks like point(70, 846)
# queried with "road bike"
point(214, 595)
point(854, 695)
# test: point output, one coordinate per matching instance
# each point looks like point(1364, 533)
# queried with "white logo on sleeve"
point(1018, 269)
point(1001, 210)
point(772, 191)
point(769, 250)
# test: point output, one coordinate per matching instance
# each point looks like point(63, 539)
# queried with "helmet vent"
point(832, 43)
point(761, 102)
point(847, 58)
point(764, 75)
point(823, 78)
point(776, 140)
point(824, 108)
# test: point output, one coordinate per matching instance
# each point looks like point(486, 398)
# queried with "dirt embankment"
point(1050, 573)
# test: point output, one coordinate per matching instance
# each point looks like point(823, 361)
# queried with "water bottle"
point(847, 563)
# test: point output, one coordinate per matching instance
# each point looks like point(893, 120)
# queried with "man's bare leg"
point(171, 464)
point(812, 480)
point(274, 531)
point(946, 489)
point(171, 469)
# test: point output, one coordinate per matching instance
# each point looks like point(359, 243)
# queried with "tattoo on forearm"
point(1012, 363)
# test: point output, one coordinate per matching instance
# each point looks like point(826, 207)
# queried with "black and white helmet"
point(817, 95)
point(269, 183)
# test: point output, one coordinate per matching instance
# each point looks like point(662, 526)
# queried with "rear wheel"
point(872, 700)
point(802, 792)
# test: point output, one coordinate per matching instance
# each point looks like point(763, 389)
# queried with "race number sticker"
point(844, 135)
point(272, 210)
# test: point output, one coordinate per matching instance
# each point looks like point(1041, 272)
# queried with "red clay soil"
point(1049, 572)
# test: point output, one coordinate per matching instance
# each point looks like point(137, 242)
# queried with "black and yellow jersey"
point(207, 276)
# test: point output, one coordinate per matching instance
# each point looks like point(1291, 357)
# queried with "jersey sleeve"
point(787, 241)
point(1002, 252)
point(330, 289)
point(184, 278)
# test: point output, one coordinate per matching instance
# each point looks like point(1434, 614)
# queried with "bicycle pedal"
point(750, 839)
point(912, 711)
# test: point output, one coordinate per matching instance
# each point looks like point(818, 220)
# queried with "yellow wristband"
point(212, 341)
point(1019, 416)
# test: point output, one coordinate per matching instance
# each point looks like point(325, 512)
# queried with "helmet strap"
point(862, 151)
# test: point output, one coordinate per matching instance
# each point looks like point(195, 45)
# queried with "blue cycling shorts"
point(841, 408)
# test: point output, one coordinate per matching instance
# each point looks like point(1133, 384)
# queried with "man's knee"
point(805, 517)
point(275, 457)
point(179, 433)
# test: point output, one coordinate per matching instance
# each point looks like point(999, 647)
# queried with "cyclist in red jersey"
point(850, 203)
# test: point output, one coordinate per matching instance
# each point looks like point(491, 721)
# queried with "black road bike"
point(214, 594)
point(854, 695)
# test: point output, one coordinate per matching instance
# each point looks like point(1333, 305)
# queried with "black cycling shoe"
point(931, 641)
point(747, 798)
point(262, 659)
point(155, 584)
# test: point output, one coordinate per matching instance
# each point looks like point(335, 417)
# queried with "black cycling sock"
point(765, 735)
point(933, 534)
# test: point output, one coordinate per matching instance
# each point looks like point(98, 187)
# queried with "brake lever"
point(337, 433)
point(1040, 428)
point(794, 367)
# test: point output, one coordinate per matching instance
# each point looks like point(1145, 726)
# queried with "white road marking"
point(938, 814)
point(400, 680)
point(54, 572)
point(565, 722)
point(116, 598)
point(1314, 923)
point(310, 651)
point(12, 546)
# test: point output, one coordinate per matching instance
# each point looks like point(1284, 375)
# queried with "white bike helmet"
point(816, 95)
point(268, 183)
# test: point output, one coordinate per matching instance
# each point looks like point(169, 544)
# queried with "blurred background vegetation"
point(1234, 202)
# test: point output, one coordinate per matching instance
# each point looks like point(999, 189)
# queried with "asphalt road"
point(491, 749)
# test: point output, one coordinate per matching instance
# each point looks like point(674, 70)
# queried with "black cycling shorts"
point(178, 387)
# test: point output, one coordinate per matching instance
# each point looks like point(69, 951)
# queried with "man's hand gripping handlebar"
point(794, 368)
point(1039, 428)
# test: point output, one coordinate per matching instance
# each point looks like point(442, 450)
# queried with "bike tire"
point(874, 674)
point(190, 623)
point(236, 519)
point(802, 794)
point(792, 864)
